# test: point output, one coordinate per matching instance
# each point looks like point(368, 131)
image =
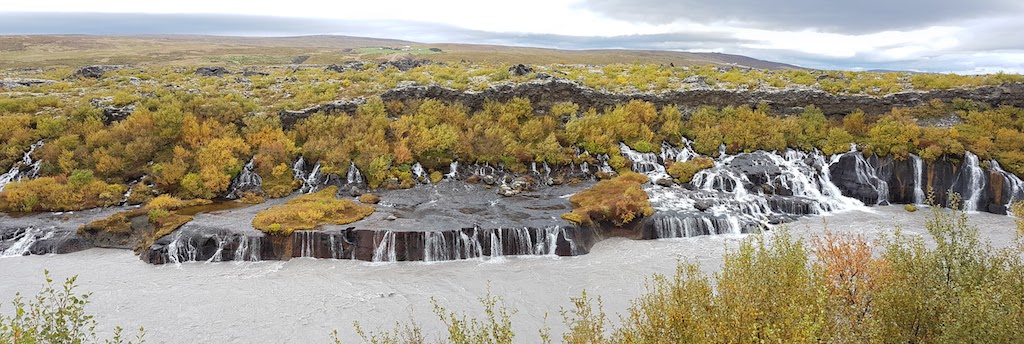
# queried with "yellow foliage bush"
point(310, 211)
point(619, 201)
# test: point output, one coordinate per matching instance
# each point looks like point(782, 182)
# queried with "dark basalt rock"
point(113, 114)
point(290, 117)
point(406, 64)
point(520, 70)
point(547, 92)
point(92, 72)
point(345, 66)
point(252, 71)
point(212, 71)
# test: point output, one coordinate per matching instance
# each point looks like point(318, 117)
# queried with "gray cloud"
point(840, 16)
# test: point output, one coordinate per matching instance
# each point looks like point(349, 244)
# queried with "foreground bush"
point(310, 211)
point(839, 289)
point(56, 315)
point(618, 201)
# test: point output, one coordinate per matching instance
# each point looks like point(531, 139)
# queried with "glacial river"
point(304, 300)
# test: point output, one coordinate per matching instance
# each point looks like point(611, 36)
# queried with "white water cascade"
point(919, 197)
point(867, 175)
point(741, 193)
point(1012, 182)
point(249, 248)
point(453, 170)
point(420, 174)
point(24, 243)
point(247, 179)
point(975, 182)
point(354, 176)
point(15, 173)
point(385, 251)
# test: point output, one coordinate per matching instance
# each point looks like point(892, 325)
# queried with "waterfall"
point(307, 243)
point(181, 249)
point(385, 250)
point(975, 182)
point(218, 255)
point(23, 244)
point(436, 248)
point(867, 175)
point(573, 248)
point(644, 163)
point(420, 174)
point(14, 174)
point(741, 193)
point(354, 176)
point(299, 169)
point(131, 188)
point(496, 244)
point(312, 182)
point(550, 241)
point(919, 197)
point(1016, 186)
point(247, 179)
point(453, 170)
point(248, 249)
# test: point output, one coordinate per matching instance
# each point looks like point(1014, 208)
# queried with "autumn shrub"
point(309, 211)
point(618, 201)
point(683, 171)
point(58, 194)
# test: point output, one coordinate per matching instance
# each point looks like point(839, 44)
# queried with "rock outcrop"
point(547, 92)
point(212, 71)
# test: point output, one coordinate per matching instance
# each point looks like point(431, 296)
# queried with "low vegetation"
point(682, 172)
point(190, 135)
point(161, 216)
point(837, 288)
point(618, 201)
point(309, 211)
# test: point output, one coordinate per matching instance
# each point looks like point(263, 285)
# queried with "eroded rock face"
point(290, 117)
point(92, 72)
point(547, 92)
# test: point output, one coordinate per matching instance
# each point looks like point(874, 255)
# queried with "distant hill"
point(24, 51)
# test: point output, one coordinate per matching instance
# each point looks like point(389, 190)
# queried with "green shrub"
point(683, 171)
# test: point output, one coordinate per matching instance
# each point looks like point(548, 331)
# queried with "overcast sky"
point(965, 36)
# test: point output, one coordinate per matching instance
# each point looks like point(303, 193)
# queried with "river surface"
point(303, 300)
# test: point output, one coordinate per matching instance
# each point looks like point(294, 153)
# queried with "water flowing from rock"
point(354, 176)
point(385, 250)
point(453, 170)
point(420, 174)
point(246, 181)
point(975, 182)
point(16, 173)
point(919, 196)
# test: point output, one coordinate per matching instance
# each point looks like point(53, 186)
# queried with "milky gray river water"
point(303, 300)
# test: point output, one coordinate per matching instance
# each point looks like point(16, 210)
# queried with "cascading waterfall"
point(497, 248)
point(453, 170)
point(867, 175)
point(23, 244)
point(14, 174)
point(131, 188)
point(975, 182)
point(420, 174)
point(247, 179)
point(1016, 186)
point(182, 249)
point(249, 248)
point(299, 169)
point(354, 176)
point(385, 250)
point(313, 181)
point(718, 201)
point(307, 243)
point(919, 197)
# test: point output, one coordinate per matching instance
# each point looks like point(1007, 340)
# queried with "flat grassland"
point(44, 51)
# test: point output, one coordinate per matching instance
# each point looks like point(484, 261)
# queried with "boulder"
point(665, 182)
point(92, 72)
point(212, 71)
point(520, 70)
